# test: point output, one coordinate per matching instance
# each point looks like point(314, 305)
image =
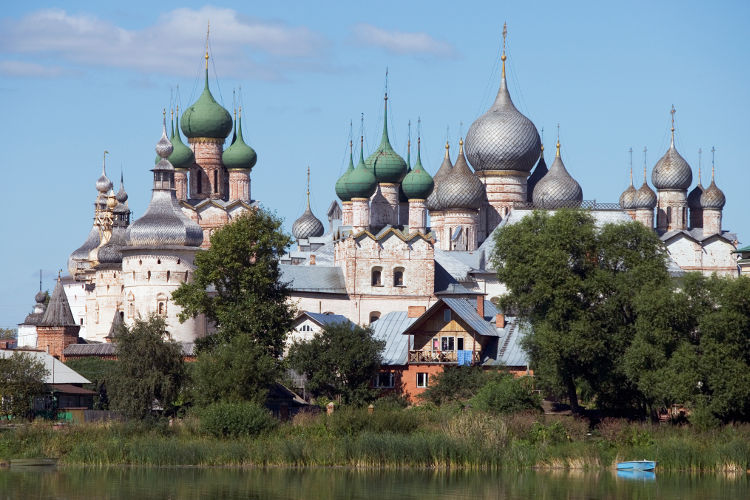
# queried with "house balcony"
point(440, 357)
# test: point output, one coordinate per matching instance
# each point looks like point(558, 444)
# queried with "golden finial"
point(672, 112)
point(558, 141)
point(461, 146)
point(208, 31)
point(503, 57)
point(447, 149)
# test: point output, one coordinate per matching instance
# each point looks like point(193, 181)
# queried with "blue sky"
point(95, 76)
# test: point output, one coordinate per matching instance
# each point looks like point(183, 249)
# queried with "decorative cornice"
point(209, 140)
point(502, 173)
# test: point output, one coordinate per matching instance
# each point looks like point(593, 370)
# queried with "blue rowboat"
point(637, 465)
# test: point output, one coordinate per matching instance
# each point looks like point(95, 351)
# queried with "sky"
point(95, 76)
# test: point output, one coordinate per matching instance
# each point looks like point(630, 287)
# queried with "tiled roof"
point(57, 372)
point(390, 328)
point(321, 279)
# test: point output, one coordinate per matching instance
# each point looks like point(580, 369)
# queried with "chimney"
point(312, 259)
point(500, 320)
point(480, 305)
point(416, 311)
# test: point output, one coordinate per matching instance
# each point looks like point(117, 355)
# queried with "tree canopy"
point(237, 284)
point(577, 286)
point(21, 378)
point(149, 371)
point(340, 361)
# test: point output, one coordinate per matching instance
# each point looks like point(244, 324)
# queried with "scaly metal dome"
point(361, 182)
point(672, 171)
point(432, 203)
point(103, 184)
point(163, 224)
point(239, 156)
point(418, 185)
point(40, 297)
point(461, 188)
point(713, 198)
point(206, 118)
point(307, 225)
point(503, 138)
point(645, 198)
point(694, 197)
point(627, 198)
point(340, 187)
point(385, 163)
point(539, 172)
point(122, 195)
point(558, 188)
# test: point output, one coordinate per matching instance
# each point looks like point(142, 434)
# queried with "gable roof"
point(464, 309)
point(57, 372)
point(323, 319)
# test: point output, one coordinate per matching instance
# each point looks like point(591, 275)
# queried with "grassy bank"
point(417, 437)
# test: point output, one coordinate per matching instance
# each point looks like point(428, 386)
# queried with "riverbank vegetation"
point(391, 437)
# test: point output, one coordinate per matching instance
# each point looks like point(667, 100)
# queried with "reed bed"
point(402, 438)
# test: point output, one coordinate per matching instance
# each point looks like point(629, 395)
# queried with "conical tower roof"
point(58, 311)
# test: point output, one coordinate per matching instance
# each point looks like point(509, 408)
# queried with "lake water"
point(293, 484)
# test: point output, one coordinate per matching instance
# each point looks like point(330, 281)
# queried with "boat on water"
point(33, 462)
point(637, 465)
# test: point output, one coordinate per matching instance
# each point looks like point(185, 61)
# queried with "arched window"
point(161, 304)
point(374, 316)
point(377, 276)
point(167, 276)
point(398, 276)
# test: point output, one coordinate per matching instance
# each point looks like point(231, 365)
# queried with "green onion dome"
point(182, 157)
point(206, 118)
point(361, 182)
point(418, 184)
point(341, 190)
point(239, 156)
point(385, 163)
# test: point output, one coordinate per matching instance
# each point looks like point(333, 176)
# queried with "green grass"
point(394, 438)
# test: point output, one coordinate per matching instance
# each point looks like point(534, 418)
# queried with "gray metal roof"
point(321, 279)
point(390, 328)
point(58, 310)
point(466, 311)
point(506, 350)
point(325, 319)
point(106, 349)
point(57, 372)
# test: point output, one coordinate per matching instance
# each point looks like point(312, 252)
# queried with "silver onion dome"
point(461, 188)
point(558, 188)
point(627, 198)
point(713, 198)
point(40, 297)
point(503, 138)
point(645, 198)
point(307, 226)
point(432, 203)
point(103, 184)
point(694, 197)
point(672, 171)
point(122, 195)
point(164, 224)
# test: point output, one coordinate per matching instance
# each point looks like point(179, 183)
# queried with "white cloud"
point(172, 46)
point(24, 69)
point(400, 42)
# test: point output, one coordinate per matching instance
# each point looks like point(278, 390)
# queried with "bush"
point(225, 419)
point(455, 383)
point(506, 395)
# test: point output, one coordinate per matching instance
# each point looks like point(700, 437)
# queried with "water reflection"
point(189, 483)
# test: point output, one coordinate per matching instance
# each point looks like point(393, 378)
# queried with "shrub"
point(506, 395)
point(456, 383)
point(224, 419)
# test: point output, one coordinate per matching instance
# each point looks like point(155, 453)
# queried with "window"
point(377, 276)
point(158, 261)
point(161, 304)
point(167, 275)
point(446, 315)
point(216, 181)
point(374, 316)
point(384, 380)
point(306, 328)
point(421, 379)
point(447, 343)
point(398, 276)
point(460, 343)
point(435, 344)
point(131, 310)
point(200, 181)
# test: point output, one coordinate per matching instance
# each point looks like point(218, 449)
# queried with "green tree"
point(239, 370)
point(21, 378)
point(237, 284)
point(506, 394)
point(456, 383)
point(8, 333)
point(150, 369)
point(577, 285)
point(100, 372)
point(340, 361)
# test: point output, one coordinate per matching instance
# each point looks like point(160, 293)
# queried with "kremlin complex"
point(405, 250)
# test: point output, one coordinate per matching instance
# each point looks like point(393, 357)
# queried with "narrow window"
point(158, 261)
point(200, 181)
point(161, 309)
point(377, 276)
point(446, 315)
point(216, 181)
point(148, 275)
point(460, 343)
point(167, 276)
point(421, 379)
point(398, 276)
